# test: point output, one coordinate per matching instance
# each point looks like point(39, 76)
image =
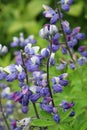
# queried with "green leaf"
point(42, 123)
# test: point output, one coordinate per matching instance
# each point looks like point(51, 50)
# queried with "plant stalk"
point(3, 115)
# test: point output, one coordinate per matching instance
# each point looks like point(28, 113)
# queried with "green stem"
point(48, 78)
point(3, 115)
point(34, 105)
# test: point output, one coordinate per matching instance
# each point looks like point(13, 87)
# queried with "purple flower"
point(65, 105)
point(64, 82)
point(80, 36)
point(57, 88)
point(64, 50)
point(72, 65)
point(72, 114)
point(35, 97)
point(25, 109)
point(81, 49)
point(84, 54)
point(51, 14)
point(81, 61)
point(56, 118)
point(46, 107)
point(21, 76)
point(44, 92)
point(61, 66)
point(66, 4)
point(25, 100)
point(45, 52)
point(11, 77)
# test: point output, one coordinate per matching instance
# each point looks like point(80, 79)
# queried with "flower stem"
point(64, 35)
point(34, 105)
point(48, 78)
point(3, 115)
point(65, 39)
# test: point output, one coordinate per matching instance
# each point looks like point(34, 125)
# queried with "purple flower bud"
point(80, 36)
point(11, 77)
point(84, 54)
point(46, 107)
point(61, 66)
point(21, 76)
point(25, 109)
point(72, 66)
point(65, 105)
point(57, 88)
point(35, 97)
point(64, 82)
point(44, 92)
point(45, 52)
point(56, 118)
point(81, 61)
point(54, 19)
point(25, 100)
point(81, 49)
point(55, 39)
point(65, 7)
point(64, 50)
point(72, 114)
point(63, 76)
point(76, 30)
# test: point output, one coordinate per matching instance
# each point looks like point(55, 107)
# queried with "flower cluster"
point(32, 67)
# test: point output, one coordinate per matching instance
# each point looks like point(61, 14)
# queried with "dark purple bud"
point(56, 118)
point(72, 114)
point(25, 100)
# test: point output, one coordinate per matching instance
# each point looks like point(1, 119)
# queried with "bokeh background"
point(26, 16)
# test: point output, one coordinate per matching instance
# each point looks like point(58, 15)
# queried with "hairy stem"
point(3, 115)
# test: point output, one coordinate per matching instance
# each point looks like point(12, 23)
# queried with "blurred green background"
point(26, 16)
